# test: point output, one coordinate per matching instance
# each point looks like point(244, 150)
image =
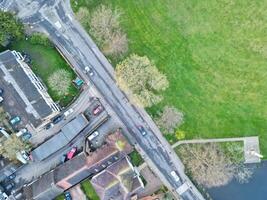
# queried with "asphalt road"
point(55, 18)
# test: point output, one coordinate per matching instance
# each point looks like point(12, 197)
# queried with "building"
point(85, 166)
point(61, 139)
point(24, 95)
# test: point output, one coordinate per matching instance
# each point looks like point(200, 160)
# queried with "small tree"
point(179, 135)
point(60, 81)
point(10, 146)
point(137, 76)
point(105, 28)
point(169, 119)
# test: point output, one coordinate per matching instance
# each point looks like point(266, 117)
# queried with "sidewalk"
point(251, 146)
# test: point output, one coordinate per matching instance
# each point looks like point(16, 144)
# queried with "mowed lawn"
point(45, 61)
point(214, 54)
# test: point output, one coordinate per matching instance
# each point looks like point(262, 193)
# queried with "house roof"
point(118, 181)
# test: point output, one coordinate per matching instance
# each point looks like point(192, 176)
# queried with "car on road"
point(57, 119)
point(15, 120)
point(71, 153)
point(25, 155)
point(63, 158)
point(142, 130)
point(175, 176)
point(1, 92)
point(93, 135)
point(67, 196)
point(97, 110)
point(88, 70)
point(26, 136)
point(68, 112)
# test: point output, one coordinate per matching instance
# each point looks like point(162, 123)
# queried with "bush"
point(179, 135)
point(40, 39)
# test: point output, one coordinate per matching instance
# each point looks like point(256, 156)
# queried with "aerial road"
point(55, 18)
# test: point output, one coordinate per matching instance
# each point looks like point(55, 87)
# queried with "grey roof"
point(9, 63)
point(68, 132)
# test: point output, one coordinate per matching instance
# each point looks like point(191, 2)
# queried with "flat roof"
point(18, 84)
point(67, 133)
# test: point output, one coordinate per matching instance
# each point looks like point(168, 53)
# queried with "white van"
point(92, 136)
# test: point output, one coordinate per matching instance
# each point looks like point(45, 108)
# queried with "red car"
point(98, 110)
point(71, 153)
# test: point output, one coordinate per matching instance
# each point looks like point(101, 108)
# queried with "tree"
point(10, 146)
point(207, 164)
point(11, 28)
point(83, 16)
point(105, 28)
point(140, 79)
point(60, 81)
point(179, 135)
point(169, 119)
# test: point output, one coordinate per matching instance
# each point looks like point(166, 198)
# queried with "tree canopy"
point(10, 27)
point(141, 80)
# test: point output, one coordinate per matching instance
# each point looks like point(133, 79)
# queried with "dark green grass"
point(89, 190)
point(214, 54)
point(45, 61)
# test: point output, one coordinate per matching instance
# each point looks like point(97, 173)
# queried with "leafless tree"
point(60, 81)
point(169, 119)
point(136, 76)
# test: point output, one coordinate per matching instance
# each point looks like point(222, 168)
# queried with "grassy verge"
point(45, 61)
point(89, 191)
point(60, 197)
point(215, 68)
point(136, 158)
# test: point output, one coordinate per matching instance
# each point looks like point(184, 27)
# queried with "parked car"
point(15, 120)
point(11, 176)
point(48, 126)
point(63, 158)
point(21, 132)
point(67, 195)
point(142, 130)
point(25, 155)
point(1, 92)
point(93, 135)
point(98, 109)
point(57, 119)
point(68, 112)
point(26, 136)
point(71, 153)
point(1, 99)
point(10, 186)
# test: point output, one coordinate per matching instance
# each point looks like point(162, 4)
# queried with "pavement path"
point(251, 146)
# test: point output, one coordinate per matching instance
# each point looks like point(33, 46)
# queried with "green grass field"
point(89, 190)
point(46, 60)
point(214, 54)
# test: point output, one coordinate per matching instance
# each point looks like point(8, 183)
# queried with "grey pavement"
point(56, 19)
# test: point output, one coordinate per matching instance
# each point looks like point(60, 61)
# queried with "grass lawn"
point(46, 60)
point(136, 158)
point(60, 197)
point(89, 190)
point(214, 54)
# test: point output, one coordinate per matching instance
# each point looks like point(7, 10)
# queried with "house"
point(24, 95)
point(83, 166)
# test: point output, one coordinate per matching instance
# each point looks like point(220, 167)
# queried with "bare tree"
point(136, 76)
point(207, 164)
point(105, 27)
point(83, 16)
point(10, 146)
point(60, 81)
point(169, 119)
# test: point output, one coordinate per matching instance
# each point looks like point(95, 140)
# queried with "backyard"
point(214, 55)
point(45, 60)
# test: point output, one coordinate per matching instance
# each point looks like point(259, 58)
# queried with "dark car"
point(63, 158)
point(142, 130)
point(57, 119)
point(1, 92)
point(67, 195)
point(10, 186)
point(48, 126)
point(11, 177)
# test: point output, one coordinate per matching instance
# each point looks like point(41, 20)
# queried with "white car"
point(88, 70)
point(92, 136)
point(175, 176)
point(68, 112)
point(1, 99)
point(21, 132)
